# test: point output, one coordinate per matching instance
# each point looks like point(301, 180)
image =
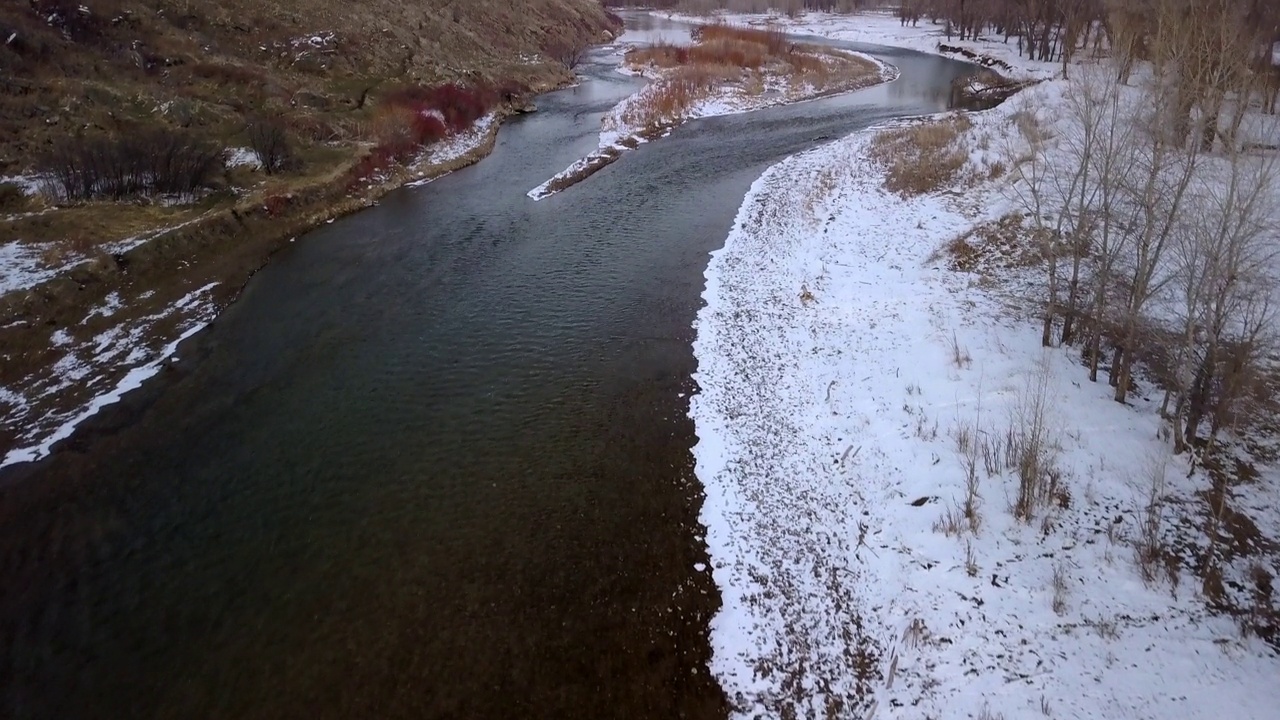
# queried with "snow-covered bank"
point(454, 148)
point(838, 365)
point(628, 125)
point(84, 369)
point(854, 391)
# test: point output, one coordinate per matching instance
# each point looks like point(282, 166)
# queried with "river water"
point(434, 463)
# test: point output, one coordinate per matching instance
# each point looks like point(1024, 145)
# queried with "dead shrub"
point(269, 140)
point(152, 161)
point(660, 54)
point(1060, 589)
point(735, 53)
point(970, 560)
point(921, 158)
point(567, 52)
point(1031, 446)
point(1149, 547)
point(669, 99)
point(772, 38)
point(960, 356)
point(12, 198)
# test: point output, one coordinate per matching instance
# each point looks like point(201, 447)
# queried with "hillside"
point(133, 198)
point(109, 63)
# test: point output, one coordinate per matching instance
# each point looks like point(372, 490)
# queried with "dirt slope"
point(72, 64)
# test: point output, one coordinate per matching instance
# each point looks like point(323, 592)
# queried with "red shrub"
point(428, 129)
point(458, 106)
point(275, 204)
point(410, 117)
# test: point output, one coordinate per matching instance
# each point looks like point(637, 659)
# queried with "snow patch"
point(80, 366)
point(242, 157)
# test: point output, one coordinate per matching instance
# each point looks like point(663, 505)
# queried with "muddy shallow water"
point(433, 464)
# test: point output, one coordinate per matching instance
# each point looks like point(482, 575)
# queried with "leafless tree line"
point(1159, 222)
point(1057, 30)
point(152, 162)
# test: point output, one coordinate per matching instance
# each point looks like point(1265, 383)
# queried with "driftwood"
point(985, 90)
point(966, 53)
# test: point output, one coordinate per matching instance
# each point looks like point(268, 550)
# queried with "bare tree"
point(1227, 281)
point(569, 53)
point(270, 142)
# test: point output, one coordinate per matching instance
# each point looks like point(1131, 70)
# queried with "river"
point(434, 463)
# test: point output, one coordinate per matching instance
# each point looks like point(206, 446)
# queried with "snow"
point(82, 366)
point(829, 404)
point(242, 156)
point(839, 362)
point(129, 243)
point(456, 146)
point(131, 381)
point(22, 266)
point(30, 184)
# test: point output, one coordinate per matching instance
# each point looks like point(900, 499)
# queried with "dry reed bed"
point(924, 157)
point(739, 64)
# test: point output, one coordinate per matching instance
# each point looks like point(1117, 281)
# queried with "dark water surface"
point(433, 464)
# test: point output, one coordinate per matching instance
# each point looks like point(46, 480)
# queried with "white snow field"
point(848, 379)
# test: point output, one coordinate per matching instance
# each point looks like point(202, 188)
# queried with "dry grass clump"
point(670, 99)
point(772, 38)
point(998, 244)
point(718, 45)
point(922, 158)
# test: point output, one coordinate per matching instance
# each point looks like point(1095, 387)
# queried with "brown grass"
point(994, 245)
point(922, 158)
point(671, 98)
point(742, 57)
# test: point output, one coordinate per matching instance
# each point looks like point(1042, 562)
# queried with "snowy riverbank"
point(867, 561)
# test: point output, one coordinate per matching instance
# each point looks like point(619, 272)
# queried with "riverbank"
point(865, 343)
point(728, 70)
point(77, 341)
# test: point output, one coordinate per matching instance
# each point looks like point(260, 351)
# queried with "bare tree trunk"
point(1073, 299)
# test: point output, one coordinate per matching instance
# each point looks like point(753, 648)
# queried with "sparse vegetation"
point(1031, 445)
point(922, 157)
point(745, 60)
point(1060, 588)
point(12, 198)
point(269, 140)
